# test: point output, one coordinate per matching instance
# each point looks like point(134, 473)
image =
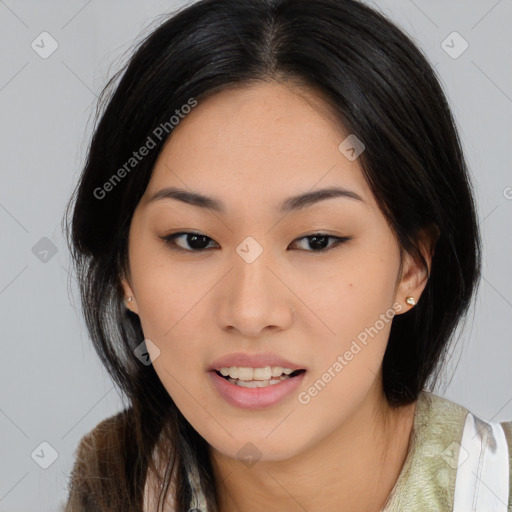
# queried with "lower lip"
point(255, 398)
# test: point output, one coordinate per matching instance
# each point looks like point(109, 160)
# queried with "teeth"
point(245, 373)
point(257, 383)
point(255, 374)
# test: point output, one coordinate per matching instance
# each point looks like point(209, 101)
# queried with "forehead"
point(265, 142)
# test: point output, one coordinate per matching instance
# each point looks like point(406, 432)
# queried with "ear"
point(414, 276)
point(128, 292)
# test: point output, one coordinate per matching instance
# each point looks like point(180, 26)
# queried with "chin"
point(258, 448)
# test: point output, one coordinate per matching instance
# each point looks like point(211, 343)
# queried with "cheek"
point(357, 288)
point(166, 291)
point(169, 298)
point(354, 305)
point(177, 369)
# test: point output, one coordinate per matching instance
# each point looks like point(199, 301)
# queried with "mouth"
point(257, 377)
point(257, 380)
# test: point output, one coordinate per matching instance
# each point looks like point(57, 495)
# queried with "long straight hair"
point(380, 86)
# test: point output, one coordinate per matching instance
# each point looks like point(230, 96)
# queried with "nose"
point(253, 298)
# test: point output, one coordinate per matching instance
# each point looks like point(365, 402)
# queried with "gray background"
point(53, 388)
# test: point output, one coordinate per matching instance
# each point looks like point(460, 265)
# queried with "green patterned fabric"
point(427, 479)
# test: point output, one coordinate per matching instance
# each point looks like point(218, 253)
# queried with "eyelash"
point(169, 240)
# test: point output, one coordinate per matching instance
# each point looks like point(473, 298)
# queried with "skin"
point(252, 148)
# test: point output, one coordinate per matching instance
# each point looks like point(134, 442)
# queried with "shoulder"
point(108, 435)
point(455, 460)
point(484, 469)
point(480, 452)
point(98, 458)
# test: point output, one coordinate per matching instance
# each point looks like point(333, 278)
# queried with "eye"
point(319, 241)
point(198, 242)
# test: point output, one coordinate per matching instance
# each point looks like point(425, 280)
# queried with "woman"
point(275, 238)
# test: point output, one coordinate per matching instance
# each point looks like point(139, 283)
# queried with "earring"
point(410, 301)
point(129, 299)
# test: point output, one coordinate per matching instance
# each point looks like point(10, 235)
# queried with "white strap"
point(482, 481)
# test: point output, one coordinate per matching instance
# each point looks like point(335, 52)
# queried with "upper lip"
point(258, 360)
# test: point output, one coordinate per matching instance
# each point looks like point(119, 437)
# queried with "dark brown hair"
point(381, 88)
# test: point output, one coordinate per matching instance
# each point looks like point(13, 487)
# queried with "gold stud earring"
point(410, 301)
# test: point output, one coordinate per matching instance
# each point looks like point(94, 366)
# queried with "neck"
point(354, 469)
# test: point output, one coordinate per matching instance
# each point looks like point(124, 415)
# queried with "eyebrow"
point(293, 203)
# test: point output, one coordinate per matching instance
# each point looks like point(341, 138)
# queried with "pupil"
point(314, 239)
point(192, 241)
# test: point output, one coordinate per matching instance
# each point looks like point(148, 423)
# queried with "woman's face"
point(252, 290)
